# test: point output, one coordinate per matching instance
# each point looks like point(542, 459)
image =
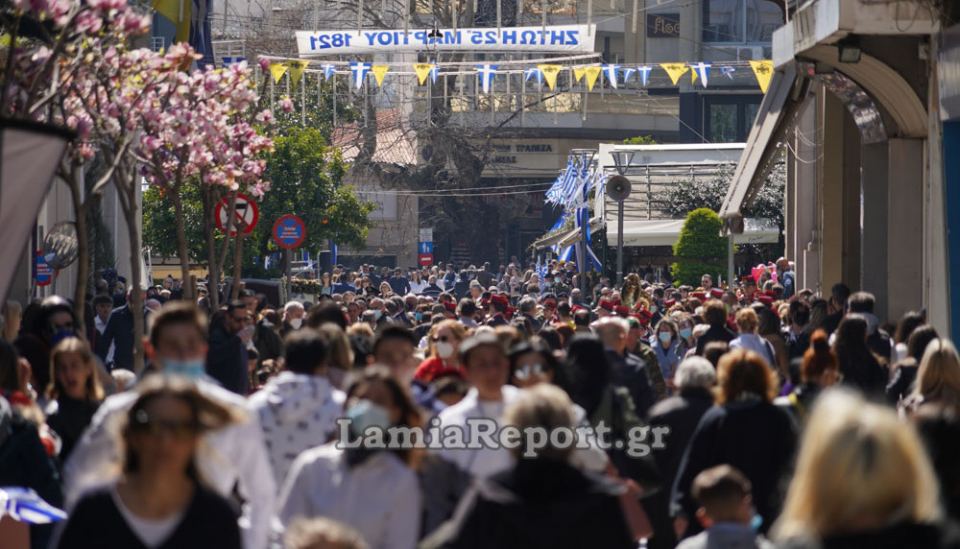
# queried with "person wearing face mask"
point(442, 350)
point(684, 333)
point(373, 490)
point(235, 463)
point(667, 350)
point(293, 313)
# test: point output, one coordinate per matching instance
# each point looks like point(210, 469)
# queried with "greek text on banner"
point(558, 38)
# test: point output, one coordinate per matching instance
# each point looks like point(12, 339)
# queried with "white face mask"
point(444, 349)
point(295, 323)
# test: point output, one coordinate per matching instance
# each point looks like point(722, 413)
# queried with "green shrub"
point(700, 249)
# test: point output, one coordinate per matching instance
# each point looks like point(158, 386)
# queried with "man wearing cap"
point(627, 370)
point(486, 368)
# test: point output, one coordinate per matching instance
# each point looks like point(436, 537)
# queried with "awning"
point(664, 232)
point(776, 108)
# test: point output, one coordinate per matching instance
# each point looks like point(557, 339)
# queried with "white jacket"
point(479, 462)
point(296, 412)
point(233, 456)
point(379, 497)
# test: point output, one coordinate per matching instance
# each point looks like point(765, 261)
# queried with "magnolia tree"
point(205, 133)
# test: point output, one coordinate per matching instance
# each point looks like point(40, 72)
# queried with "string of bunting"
point(542, 73)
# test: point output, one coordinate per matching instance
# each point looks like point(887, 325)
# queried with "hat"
point(621, 310)
point(644, 316)
point(748, 281)
point(483, 339)
point(606, 304)
point(450, 306)
point(669, 303)
point(716, 292)
point(699, 295)
point(765, 299)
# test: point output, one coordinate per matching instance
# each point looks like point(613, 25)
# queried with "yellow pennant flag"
point(675, 70)
point(693, 77)
point(296, 71)
point(763, 70)
point(593, 71)
point(277, 70)
point(550, 73)
point(423, 71)
point(578, 73)
point(379, 71)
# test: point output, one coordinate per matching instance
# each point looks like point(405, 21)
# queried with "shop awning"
point(664, 232)
point(547, 241)
point(775, 110)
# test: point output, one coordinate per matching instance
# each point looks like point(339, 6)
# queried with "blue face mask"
point(685, 333)
point(756, 522)
point(377, 313)
point(418, 316)
point(665, 337)
point(365, 414)
point(192, 368)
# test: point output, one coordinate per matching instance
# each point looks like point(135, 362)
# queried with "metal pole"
point(619, 242)
point(730, 249)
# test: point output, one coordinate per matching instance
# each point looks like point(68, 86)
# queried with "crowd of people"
point(753, 415)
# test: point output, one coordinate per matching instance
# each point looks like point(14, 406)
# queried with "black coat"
point(119, 331)
point(538, 504)
point(754, 436)
point(227, 360)
point(70, 420)
point(24, 462)
point(906, 535)
point(209, 521)
point(629, 371)
point(715, 333)
point(681, 414)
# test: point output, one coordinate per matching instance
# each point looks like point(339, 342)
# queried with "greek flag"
point(24, 505)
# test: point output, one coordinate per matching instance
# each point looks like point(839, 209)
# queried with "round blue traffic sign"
point(289, 231)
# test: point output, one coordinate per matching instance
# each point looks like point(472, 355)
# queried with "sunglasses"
point(524, 373)
point(144, 424)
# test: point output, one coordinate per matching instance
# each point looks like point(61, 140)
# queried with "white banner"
point(560, 38)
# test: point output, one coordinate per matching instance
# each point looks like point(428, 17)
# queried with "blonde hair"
point(747, 320)
point(938, 378)
point(322, 533)
point(858, 464)
point(543, 405)
point(73, 345)
point(341, 353)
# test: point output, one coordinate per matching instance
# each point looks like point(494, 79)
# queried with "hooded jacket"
point(296, 412)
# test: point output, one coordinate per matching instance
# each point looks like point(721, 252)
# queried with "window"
point(728, 118)
point(740, 21)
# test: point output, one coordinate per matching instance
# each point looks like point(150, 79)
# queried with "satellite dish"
point(618, 188)
point(60, 246)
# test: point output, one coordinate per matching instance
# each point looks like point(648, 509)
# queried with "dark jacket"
point(208, 521)
point(432, 290)
point(24, 463)
point(538, 503)
point(119, 331)
point(905, 535)
point(227, 360)
point(754, 436)
point(681, 414)
point(268, 342)
point(715, 333)
point(399, 284)
point(902, 381)
point(630, 371)
point(69, 421)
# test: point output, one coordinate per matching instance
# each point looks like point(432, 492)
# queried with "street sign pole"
point(619, 242)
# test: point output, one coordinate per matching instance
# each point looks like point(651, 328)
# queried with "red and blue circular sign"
point(289, 231)
point(42, 271)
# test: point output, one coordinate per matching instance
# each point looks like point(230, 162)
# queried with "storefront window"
point(740, 21)
point(722, 122)
point(729, 118)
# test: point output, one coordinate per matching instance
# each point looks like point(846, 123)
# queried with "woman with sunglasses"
point(159, 500)
point(443, 351)
point(532, 362)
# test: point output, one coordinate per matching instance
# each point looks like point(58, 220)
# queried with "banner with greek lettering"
point(556, 38)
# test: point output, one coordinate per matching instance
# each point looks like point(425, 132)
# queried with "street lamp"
point(618, 189)
point(31, 152)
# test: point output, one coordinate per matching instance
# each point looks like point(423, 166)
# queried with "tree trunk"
point(213, 266)
point(127, 192)
point(237, 266)
point(75, 182)
point(182, 250)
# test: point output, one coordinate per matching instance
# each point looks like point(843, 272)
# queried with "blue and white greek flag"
point(24, 505)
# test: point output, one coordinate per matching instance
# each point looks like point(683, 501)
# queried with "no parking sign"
point(289, 232)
